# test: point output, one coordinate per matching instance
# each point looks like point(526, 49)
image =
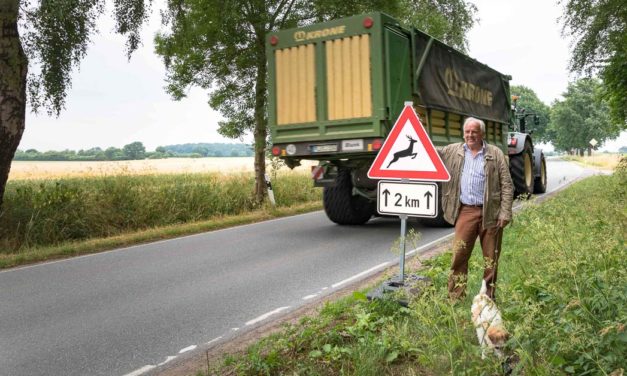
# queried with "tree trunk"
point(261, 126)
point(13, 69)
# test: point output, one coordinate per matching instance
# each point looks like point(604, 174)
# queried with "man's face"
point(473, 136)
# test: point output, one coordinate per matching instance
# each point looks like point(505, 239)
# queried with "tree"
point(55, 37)
point(219, 45)
point(134, 150)
point(599, 30)
point(532, 104)
point(581, 116)
point(113, 153)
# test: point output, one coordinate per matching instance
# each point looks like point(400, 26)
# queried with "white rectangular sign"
point(415, 199)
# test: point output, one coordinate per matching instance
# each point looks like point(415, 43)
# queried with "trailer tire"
point(539, 185)
point(521, 169)
point(341, 206)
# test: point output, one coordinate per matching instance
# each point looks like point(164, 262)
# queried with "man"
point(478, 201)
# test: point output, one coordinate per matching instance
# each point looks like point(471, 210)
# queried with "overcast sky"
point(114, 102)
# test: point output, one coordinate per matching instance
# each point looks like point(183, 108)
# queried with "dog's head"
point(497, 335)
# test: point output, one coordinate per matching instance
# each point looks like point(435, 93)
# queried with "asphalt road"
point(125, 311)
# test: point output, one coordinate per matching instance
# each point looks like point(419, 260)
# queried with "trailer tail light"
point(368, 22)
point(376, 144)
point(274, 40)
point(276, 151)
point(513, 141)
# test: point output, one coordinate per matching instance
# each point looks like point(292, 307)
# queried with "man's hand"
point(502, 223)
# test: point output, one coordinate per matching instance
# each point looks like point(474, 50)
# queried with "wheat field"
point(26, 170)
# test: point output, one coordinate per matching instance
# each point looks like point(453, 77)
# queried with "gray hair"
point(471, 120)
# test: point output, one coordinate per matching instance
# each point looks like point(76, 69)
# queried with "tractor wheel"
point(540, 183)
point(521, 169)
point(341, 206)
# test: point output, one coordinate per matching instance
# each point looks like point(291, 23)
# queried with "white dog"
point(488, 322)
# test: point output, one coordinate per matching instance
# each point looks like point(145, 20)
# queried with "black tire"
point(438, 221)
point(539, 185)
point(341, 206)
point(521, 169)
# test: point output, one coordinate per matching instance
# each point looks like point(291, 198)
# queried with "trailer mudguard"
point(517, 146)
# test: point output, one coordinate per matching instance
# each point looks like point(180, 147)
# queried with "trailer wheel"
point(341, 206)
point(540, 183)
point(521, 169)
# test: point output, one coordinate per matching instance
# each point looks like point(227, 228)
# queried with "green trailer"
point(336, 89)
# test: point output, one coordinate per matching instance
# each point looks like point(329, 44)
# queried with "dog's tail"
point(484, 287)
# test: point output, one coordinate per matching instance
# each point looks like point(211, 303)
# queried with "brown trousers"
point(467, 229)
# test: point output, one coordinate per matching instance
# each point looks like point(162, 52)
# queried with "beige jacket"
point(498, 194)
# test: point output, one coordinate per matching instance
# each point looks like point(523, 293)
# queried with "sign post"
point(411, 165)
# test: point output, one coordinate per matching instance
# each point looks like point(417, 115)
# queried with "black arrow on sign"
point(428, 195)
point(386, 193)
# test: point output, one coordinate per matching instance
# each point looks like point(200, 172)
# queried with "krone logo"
point(459, 88)
point(300, 35)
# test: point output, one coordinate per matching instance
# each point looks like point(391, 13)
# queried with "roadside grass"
point(44, 219)
point(562, 293)
point(605, 161)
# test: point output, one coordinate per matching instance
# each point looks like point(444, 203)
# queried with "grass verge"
point(605, 161)
point(49, 214)
point(562, 292)
point(76, 248)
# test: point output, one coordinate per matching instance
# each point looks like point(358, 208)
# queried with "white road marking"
point(365, 272)
point(266, 315)
point(309, 296)
point(214, 340)
point(167, 360)
point(140, 371)
point(235, 329)
point(204, 233)
point(188, 348)
point(324, 288)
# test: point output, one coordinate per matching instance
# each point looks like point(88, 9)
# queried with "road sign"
point(414, 199)
point(594, 142)
point(408, 153)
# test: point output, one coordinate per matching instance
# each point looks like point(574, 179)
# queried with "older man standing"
point(478, 201)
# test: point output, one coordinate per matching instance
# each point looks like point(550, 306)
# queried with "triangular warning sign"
point(408, 153)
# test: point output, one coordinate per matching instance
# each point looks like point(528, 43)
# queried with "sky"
point(114, 101)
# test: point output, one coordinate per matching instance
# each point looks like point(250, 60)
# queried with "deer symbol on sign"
point(405, 152)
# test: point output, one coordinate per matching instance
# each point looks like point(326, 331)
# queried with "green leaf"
point(569, 369)
point(391, 356)
point(360, 296)
point(315, 354)
point(327, 348)
point(558, 361)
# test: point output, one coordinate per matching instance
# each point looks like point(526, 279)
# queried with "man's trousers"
point(467, 229)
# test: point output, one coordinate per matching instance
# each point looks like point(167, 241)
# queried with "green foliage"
point(447, 20)
point(599, 31)
point(56, 37)
point(41, 213)
point(581, 116)
point(562, 288)
point(532, 104)
point(134, 150)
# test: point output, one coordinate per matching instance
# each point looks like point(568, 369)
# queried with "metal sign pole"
point(402, 261)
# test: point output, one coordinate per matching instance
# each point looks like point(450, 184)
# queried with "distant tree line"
point(137, 150)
